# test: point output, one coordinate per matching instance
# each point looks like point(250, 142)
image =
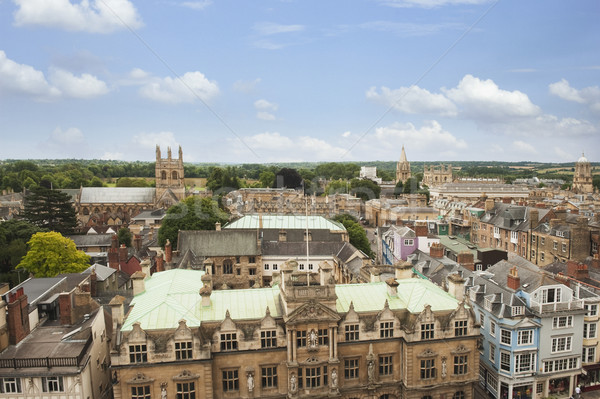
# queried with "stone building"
point(582, 179)
point(170, 183)
point(303, 337)
point(402, 168)
point(436, 175)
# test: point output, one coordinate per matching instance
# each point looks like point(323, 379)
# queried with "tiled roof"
point(218, 243)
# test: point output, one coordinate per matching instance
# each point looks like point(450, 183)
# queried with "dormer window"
point(551, 295)
point(518, 310)
point(488, 304)
point(229, 342)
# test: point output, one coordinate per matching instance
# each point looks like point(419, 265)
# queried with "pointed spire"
point(267, 312)
point(351, 305)
point(386, 305)
point(227, 316)
point(403, 155)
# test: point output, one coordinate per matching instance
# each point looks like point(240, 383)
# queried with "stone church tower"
point(402, 168)
point(170, 184)
point(582, 179)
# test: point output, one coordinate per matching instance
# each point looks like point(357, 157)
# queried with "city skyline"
point(289, 81)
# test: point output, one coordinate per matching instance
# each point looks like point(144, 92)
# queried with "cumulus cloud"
point(484, 100)
point(413, 100)
point(588, 95)
point(197, 5)
point(430, 3)
point(66, 137)
point(84, 86)
point(149, 141)
point(523, 147)
point(95, 16)
point(430, 135)
point(265, 109)
point(191, 86)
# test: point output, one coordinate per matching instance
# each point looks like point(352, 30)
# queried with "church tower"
point(582, 179)
point(402, 168)
point(170, 184)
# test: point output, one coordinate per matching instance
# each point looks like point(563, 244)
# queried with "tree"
point(411, 186)
point(287, 178)
point(356, 233)
point(266, 178)
point(365, 189)
point(399, 188)
point(14, 235)
point(51, 254)
point(50, 209)
point(125, 236)
point(191, 214)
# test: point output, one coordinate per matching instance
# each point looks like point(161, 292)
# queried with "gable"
point(312, 311)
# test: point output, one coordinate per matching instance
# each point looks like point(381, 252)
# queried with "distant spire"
point(403, 155)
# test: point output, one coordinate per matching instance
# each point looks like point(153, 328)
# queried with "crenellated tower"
point(170, 183)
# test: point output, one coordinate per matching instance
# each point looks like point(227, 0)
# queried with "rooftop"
point(284, 222)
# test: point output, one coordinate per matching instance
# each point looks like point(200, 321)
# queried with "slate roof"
point(284, 222)
point(117, 195)
point(511, 217)
point(218, 243)
point(92, 240)
point(102, 272)
point(36, 288)
point(286, 248)
point(152, 215)
point(531, 276)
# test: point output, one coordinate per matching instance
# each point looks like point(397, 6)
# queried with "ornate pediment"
point(427, 353)
point(268, 321)
point(140, 378)
point(312, 311)
point(461, 349)
point(183, 331)
point(185, 375)
point(136, 334)
point(426, 315)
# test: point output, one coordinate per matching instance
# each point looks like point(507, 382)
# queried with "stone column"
point(289, 345)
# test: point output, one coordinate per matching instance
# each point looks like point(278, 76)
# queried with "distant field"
point(521, 167)
point(195, 181)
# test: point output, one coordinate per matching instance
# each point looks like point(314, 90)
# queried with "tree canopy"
point(193, 213)
point(51, 254)
point(50, 209)
point(14, 235)
point(356, 233)
point(124, 236)
point(365, 189)
point(287, 178)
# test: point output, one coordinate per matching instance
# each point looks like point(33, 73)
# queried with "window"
point(482, 319)
point(386, 329)
point(229, 341)
point(568, 363)
point(427, 369)
point(589, 330)
point(458, 395)
point(52, 384)
point(592, 309)
point(352, 332)
point(186, 390)
point(589, 354)
point(460, 328)
point(561, 344)
point(551, 295)
point(274, 266)
point(227, 266)
point(350, 369)
point(301, 338)
point(231, 380)
point(268, 339)
point(524, 362)
point(492, 353)
point(555, 245)
point(460, 364)
point(237, 259)
point(138, 354)
point(533, 239)
point(505, 336)
point(313, 377)
point(542, 256)
point(251, 259)
point(542, 240)
point(564, 247)
point(518, 310)
point(323, 336)
point(183, 350)
point(504, 361)
point(539, 387)
point(386, 366)
point(269, 377)
point(427, 330)
point(142, 392)
point(409, 243)
point(10, 385)
point(266, 266)
point(525, 337)
point(492, 328)
point(562, 322)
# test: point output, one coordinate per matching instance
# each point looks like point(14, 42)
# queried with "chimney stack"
point(168, 251)
point(145, 266)
point(113, 253)
point(123, 254)
point(116, 310)
point(325, 272)
point(436, 250)
point(456, 286)
point(218, 226)
point(403, 270)
point(534, 218)
point(513, 281)
point(137, 242)
point(65, 308)
point(392, 285)
point(421, 230)
point(489, 204)
point(206, 289)
point(138, 282)
point(159, 262)
point(577, 270)
point(93, 283)
point(18, 316)
point(466, 260)
point(375, 273)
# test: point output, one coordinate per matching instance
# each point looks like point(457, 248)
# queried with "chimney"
point(159, 262)
point(218, 226)
point(65, 308)
point(436, 250)
point(467, 260)
point(208, 266)
point(534, 218)
point(113, 253)
point(168, 251)
point(577, 270)
point(93, 283)
point(114, 241)
point(206, 289)
point(392, 286)
point(403, 270)
point(123, 253)
point(375, 273)
point(421, 230)
point(489, 204)
point(456, 286)
point(116, 310)
point(145, 266)
point(137, 242)
point(513, 281)
point(506, 200)
point(18, 316)
point(325, 273)
point(138, 282)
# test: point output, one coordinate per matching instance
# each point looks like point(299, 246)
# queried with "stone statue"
point(371, 370)
point(293, 383)
point(313, 338)
point(250, 382)
point(444, 369)
point(334, 380)
point(163, 393)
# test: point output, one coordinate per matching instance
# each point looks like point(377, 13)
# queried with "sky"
point(300, 80)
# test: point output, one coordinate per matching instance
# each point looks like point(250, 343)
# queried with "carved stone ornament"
point(427, 353)
point(140, 378)
point(185, 375)
point(311, 360)
point(461, 349)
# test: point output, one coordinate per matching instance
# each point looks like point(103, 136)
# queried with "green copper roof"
point(285, 222)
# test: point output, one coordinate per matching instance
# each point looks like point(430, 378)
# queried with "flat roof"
point(285, 222)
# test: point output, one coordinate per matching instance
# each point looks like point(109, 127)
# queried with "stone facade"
point(436, 175)
point(582, 179)
point(170, 183)
point(402, 168)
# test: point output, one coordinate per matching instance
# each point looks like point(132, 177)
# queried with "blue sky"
point(269, 81)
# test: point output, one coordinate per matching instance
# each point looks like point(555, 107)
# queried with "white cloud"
point(484, 100)
point(191, 86)
point(113, 156)
point(197, 5)
point(346, 134)
point(430, 135)
point(149, 141)
point(564, 155)
point(245, 86)
point(413, 100)
point(95, 16)
point(84, 86)
point(71, 136)
point(523, 147)
point(269, 28)
point(265, 109)
point(24, 79)
point(587, 95)
point(430, 3)
point(265, 116)
point(137, 73)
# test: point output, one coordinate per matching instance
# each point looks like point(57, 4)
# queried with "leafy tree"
point(223, 180)
point(337, 186)
point(14, 235)
point(356, 233)
point(50, 209)
point(51, 254)
point(365, 189)
point(191, 214)
point(132, 182)
point(267, 178)
point(398, 189)
point(124, 236)
point(411, 186)
point(287, 178)
point(596, 181)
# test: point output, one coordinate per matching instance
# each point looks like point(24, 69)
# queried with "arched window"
point(227, 266)
point(174, 175)
point(459, 395)
point(86, 211)
point(163, 175)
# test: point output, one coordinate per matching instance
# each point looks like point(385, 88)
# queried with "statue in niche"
point(444, 367)
point(250, 381)
point(313, 339)
point(293, 383)
point(334, 378)
point(371, 370)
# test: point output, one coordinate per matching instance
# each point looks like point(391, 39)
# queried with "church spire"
point(403, 155)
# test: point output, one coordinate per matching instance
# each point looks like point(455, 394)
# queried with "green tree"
point(266, 178)
point(356, 233)
point(50, 209)
point(365, 189)
point(14, 235)
point(398, 189)
point(124, 236)
point(51, 254)
point(411, 186)
point(337, 186)
point(191, 214)
point(287, 178)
